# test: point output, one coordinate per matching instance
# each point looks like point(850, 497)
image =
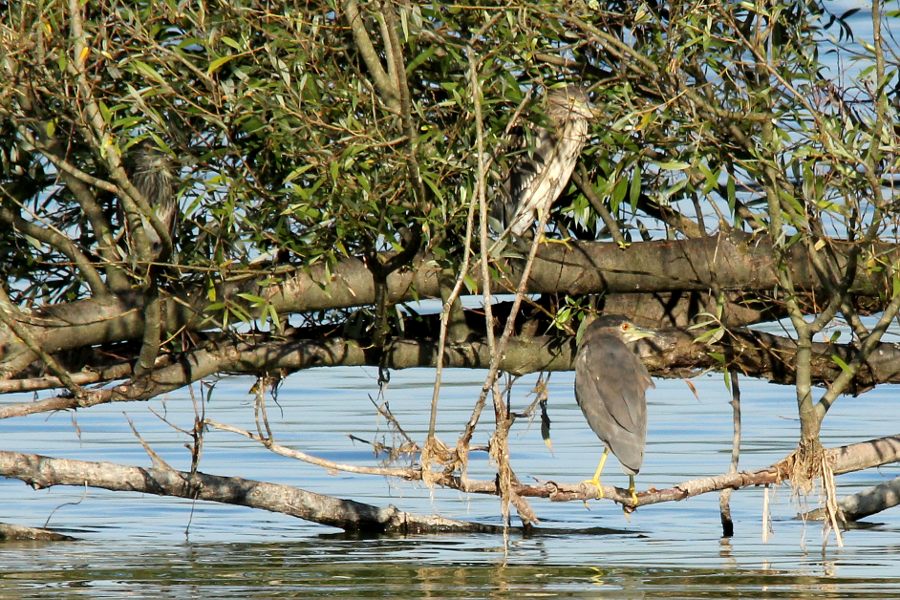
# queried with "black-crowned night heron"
point(538, 177)
point(152, 173)
point(610, 387)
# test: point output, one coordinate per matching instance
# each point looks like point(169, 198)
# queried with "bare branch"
point(42, 471)
point(389, 94)
point(402, 473)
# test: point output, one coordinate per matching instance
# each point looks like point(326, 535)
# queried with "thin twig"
point(402, 473)
point(581, 180)
point(725, 496)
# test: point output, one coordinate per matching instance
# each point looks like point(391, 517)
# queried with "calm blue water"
point(147, 545)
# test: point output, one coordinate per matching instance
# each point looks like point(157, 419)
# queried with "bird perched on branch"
point(610, 387)
point(538, 177)
point(152, 173)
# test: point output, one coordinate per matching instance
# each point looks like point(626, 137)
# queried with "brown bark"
point(735, 262)
point(19, 532)
point(674, 353)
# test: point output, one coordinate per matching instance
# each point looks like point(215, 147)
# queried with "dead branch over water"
point(42, 472)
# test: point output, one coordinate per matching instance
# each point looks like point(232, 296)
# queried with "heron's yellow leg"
point(564, 241)
point(596, 479)
point(634, 499)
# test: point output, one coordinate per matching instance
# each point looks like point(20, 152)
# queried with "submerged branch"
point(863, 504)
point(10, 532)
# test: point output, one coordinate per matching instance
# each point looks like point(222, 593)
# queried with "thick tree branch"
point(42, 471)
point(734, 262)
point(674, 353)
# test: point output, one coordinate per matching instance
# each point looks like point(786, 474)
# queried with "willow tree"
point(331, 161)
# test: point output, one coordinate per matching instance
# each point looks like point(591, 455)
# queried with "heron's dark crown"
point(619, 326)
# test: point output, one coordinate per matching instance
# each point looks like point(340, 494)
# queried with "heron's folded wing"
point(614, 380)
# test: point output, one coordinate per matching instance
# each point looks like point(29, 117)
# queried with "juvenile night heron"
point(152, 173)
point(537, 178)
point(610, 387)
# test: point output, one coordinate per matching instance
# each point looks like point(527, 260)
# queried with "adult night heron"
point(610, 387)
point(538, 177)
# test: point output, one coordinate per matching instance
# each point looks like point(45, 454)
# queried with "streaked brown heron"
point(152, 173)
point(610, 387)
point(539, 176)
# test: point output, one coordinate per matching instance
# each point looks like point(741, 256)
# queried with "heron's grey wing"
point(611, 373)
point(610, 388)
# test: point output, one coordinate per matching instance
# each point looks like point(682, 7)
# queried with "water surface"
point(149, 546)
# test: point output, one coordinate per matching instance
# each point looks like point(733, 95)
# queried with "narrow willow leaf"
point(839, 362)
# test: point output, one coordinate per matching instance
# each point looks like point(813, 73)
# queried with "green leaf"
point(635, 186)
point(297, 172)
point(218, 63)
point(273, 315)
point(619, 192)
point(105, 112)
point(711, 336)
point(717, 356)
point(673, 165)
point(147, 71)
point(126, 122)
point(231, 42)
point(426, 54)
point(252, 298)
point(730, 190)
point(839, 362)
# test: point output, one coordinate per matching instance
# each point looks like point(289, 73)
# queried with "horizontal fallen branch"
point(732, 261)
point(43, 471)
point(674, 353)
point(845, 459)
